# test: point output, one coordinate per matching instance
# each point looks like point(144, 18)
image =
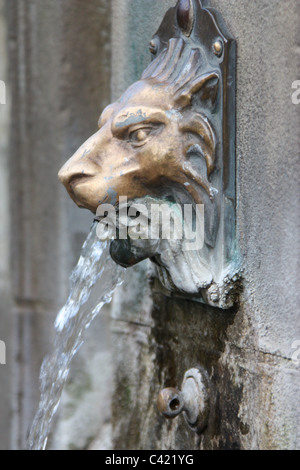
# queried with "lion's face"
point(140, 149)
point(135, 147)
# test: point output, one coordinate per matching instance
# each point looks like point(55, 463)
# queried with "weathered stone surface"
point(5, 304)
point(133, 24)
point(248, 351)
point(85, 414)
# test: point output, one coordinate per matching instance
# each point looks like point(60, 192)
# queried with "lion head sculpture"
point(157, 140)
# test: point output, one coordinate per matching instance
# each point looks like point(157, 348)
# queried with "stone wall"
point(248, 350)
point(60, 81)
point(5, 303)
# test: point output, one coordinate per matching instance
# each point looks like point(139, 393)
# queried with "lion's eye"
point(139, 135)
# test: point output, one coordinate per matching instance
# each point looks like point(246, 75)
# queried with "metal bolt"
point(218, 48)
point(153, 46)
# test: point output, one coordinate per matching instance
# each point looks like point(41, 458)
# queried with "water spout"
point(93, 282)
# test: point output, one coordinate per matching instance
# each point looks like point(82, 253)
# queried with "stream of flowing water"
point(93, 283)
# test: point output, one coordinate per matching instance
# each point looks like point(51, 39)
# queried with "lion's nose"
point(81, 165)
point(72, 175)
point(64, 175)
point(68, 176)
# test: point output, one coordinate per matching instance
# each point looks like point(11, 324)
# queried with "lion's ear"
point(204, 86)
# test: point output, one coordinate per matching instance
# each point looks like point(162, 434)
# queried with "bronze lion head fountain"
point(170, 138)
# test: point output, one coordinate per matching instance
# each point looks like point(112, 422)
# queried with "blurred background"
point(55, 62)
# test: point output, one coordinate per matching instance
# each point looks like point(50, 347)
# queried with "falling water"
point(93, 282)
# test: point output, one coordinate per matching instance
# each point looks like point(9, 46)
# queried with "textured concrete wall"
point(248, 350)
